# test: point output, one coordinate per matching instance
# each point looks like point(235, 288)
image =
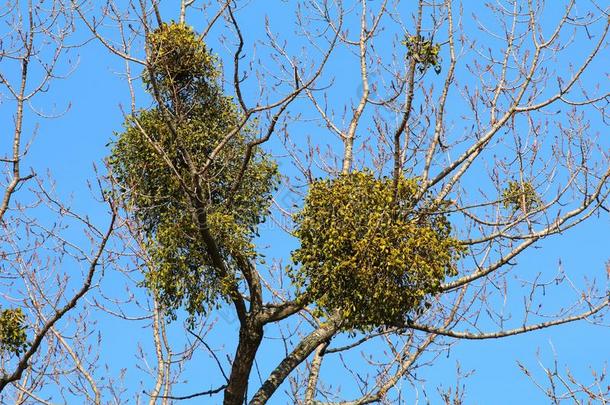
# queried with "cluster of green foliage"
point(369, 251)
point(520, 196)
point(159, 161)
point(181, 68)
point(13, 338)
point(424, 51)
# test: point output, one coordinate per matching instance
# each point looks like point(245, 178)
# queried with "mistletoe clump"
point(13, 338)
point(425, 52)
point(175, 190)
point(520, 196)
point(368, 251)
point(180, 66)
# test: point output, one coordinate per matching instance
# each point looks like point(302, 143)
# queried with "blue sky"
point(70, 145)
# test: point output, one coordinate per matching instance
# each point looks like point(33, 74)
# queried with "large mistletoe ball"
point(369, 251)
point(169, 165)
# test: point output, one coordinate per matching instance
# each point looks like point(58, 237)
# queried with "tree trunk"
point(250, 337)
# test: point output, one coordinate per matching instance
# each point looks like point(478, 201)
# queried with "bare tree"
point(485, 129)
point(46, 271)
point(559, 387)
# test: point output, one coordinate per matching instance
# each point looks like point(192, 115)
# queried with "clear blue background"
point(70, 145)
